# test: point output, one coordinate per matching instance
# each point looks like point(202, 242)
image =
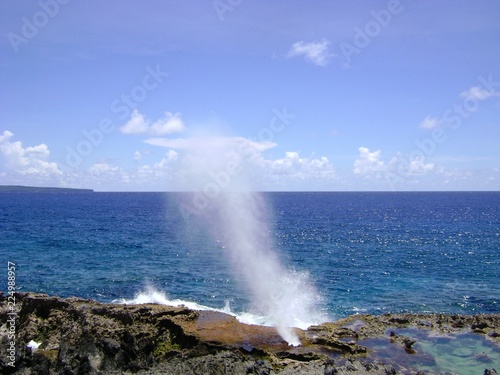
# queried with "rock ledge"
point(80, 336)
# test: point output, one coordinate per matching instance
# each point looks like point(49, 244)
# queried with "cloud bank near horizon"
point(288, 171)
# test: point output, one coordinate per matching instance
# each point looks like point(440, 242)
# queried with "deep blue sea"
point(365, 252)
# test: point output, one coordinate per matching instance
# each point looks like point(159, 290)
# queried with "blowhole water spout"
point(238, 218)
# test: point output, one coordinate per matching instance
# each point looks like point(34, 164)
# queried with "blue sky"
point(295, 95)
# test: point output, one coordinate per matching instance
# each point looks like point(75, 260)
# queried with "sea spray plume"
point(237, 217)
point(286, 297)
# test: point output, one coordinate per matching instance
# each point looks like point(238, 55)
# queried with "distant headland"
point(37, 189)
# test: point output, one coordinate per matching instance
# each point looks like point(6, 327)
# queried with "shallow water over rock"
point(457, 353)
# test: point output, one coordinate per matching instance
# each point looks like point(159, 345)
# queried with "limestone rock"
point(80, 336)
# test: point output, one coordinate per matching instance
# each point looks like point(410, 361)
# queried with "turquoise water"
point(461, 353)
point(365, 252)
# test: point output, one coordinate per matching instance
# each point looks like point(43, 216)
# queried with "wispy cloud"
point(211, 142)
point(138, 124)
point(470, 104)
point(479, 93)
point(430, 122)
point(315, 52)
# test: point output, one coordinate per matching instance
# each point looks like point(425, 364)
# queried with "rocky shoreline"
point(79, 336)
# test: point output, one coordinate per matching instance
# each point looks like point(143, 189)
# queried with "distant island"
point(37, 189)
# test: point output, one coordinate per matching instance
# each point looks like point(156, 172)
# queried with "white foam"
point(151, 295)
point(154, 296)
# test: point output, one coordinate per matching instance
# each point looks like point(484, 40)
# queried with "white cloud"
point(203, 156)
point(292, 165)
point(478, 93)
point(5, 136)
point(287, 165)
point(162, 168)
point(402, 172)
point(211, 142)
point(138, 124)
point(171, 123)
point(371, 163)
point(418, 166)
point(103, 168)
point(475, 94)
point(316, 52)
point(430, 123)
point(138, 155)
point(26, 161)
point(368, 162)
point(171, 155)
point(106, 176)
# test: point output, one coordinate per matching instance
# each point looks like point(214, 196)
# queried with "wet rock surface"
point(80, 336)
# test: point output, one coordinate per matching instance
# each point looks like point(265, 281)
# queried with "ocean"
point(365, 252)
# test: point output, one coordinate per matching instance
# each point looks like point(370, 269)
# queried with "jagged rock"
point(343, 332)
point(406, 341)
point(399, 320)
point(81, 336)
point(480, 325)
point(340, 346)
